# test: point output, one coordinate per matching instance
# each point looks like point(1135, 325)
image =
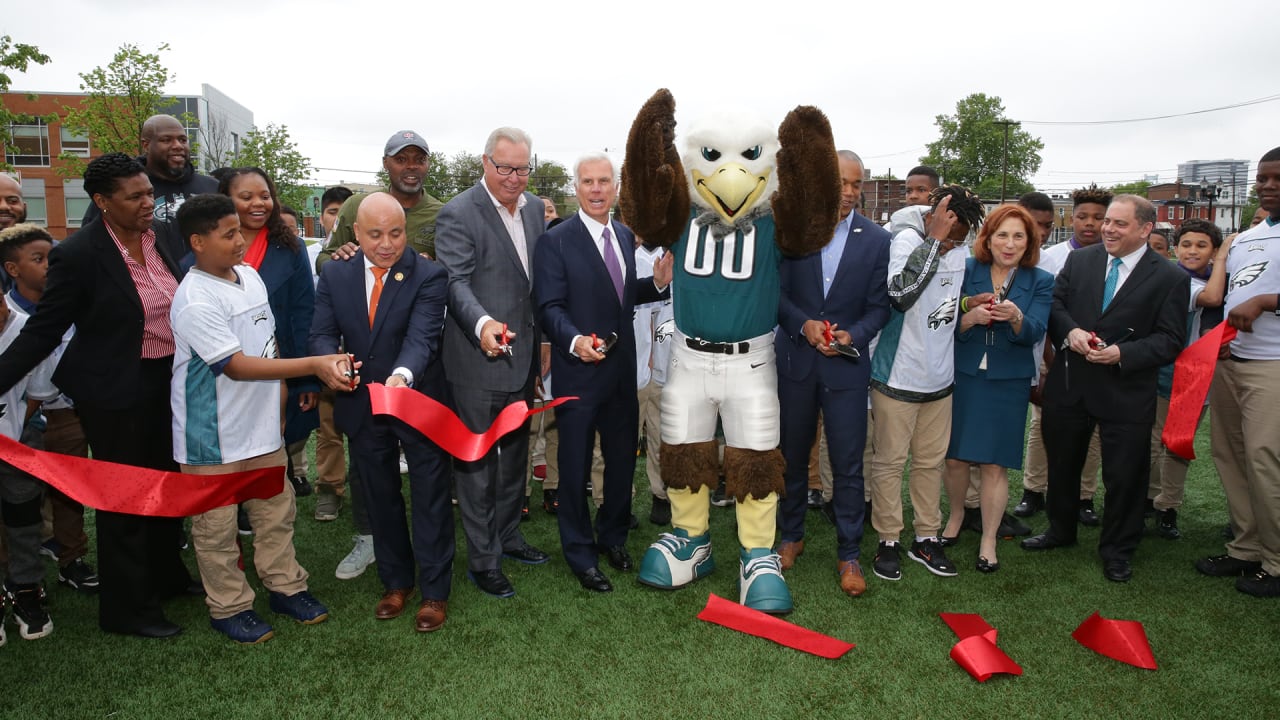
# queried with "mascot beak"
point(730, 189)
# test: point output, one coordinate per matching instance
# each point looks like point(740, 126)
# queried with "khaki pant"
point(1245, 429)
point(1035, 469)
point(331, 461)
point(544, 438)
point(1168, 471)
point(650, 397)
point(922, 430)
point(65, 517)
point(214, 534)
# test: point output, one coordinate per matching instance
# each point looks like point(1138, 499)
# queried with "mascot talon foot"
point(760, 584)
point(676, 560)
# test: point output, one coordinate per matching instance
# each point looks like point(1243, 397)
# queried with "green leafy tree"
point(121, 97)
point(1137, 187)
point(272, 149)
point(437, 183)
point(15, 57)
point(1247, 210)
point(465, 169)
point(970, 149)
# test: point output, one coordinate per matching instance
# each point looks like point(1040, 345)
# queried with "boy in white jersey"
point(1246, 392)
point(227, 400)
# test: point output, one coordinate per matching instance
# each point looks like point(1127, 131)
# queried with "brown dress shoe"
point(431, 615)
point(789, 551)
point(392, 603)
point(851, 580)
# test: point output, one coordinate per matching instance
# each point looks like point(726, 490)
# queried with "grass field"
point(556, 651)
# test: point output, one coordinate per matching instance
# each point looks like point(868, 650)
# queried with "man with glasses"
point(485, 238)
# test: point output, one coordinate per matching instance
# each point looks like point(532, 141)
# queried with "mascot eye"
point(752, 153)
point(710, 154)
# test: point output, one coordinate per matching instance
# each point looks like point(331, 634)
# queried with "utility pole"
point(1004, 165)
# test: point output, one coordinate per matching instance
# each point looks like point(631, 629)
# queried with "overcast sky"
point(343, 76)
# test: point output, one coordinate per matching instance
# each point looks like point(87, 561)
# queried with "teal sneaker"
point(676, 560)
point(760, 585)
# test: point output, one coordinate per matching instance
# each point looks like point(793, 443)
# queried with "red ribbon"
point(753, 622)
point(1122, 640)
point(442, 427)
point(1192, 374)
point(140, 491)
point(977, 652)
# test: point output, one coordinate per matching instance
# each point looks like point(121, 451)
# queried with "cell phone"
point(607, 344)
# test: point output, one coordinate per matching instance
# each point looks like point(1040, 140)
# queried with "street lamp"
point(1211, 193)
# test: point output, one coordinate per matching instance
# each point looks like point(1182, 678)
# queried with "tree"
point(465, 169)
point(217, 147)
point(552, 179)
point(271, 149)
point(121, 97)
point(16, 57)
point(970, 149)
point(437, 183)
point(1137, 187)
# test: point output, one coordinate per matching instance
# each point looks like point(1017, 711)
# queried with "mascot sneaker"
point(760, 585)
point(676, 560)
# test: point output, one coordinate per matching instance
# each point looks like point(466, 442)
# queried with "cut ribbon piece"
point(1123, 640)
point(1192, 375)
point(753, 622)
point(442, 427)
point(140, 491)
point(977, 652)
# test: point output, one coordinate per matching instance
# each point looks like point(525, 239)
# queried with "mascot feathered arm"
point(655, 198)
point(806, 206)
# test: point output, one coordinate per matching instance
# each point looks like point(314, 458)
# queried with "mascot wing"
point(806, 206)
point(654, 201)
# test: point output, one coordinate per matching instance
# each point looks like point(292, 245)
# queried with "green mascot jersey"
point(726, 290)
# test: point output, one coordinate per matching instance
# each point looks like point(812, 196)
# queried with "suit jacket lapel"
point(490, 214)
point(114, 265)
point(392, 283)
point(1142, 270)
point(846, 257)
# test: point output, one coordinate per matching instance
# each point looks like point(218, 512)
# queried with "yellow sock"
point(757, 521)
point(690, 511)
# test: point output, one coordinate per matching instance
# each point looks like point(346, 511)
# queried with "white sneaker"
point(358, 560)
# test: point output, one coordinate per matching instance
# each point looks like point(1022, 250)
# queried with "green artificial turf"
point(557, 651)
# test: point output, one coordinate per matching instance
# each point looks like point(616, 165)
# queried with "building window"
point(33, 195)
point(74, 143)
point(30, 143)
point(76, 201)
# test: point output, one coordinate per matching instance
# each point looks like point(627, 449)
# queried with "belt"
point(1236, 358)
point(701, 345)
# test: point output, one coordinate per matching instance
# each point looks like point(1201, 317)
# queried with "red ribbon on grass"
point(1122, 640)
point(442, 427)
point(141, 491)
point(753, 622)
point(977, 652)
point(1192, 375)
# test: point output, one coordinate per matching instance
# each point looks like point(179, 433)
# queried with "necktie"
point(611, 262)
point(1113, 278)
point(378, 272)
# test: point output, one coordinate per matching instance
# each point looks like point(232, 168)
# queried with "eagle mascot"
point(741, 197)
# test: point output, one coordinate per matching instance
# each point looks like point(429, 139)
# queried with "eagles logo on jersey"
point(663, 332)
point(271, 351)
point(944, 314)
point(1246, 275)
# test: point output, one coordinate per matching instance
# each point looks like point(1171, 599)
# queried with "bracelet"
point(964, 304)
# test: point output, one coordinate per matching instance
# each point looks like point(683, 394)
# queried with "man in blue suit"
point(843, 284)
point(586, 290)
point(386, 307)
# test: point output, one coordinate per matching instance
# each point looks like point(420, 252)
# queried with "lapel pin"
point(399, 276)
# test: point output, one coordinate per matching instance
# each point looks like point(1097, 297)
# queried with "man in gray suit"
point(485, 239)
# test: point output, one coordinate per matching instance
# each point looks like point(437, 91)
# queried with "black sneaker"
point(718, 496)
point(814, 499)
point(29, 611)
point(972, 520)
point(1226, 566)
point(242, 521)
point(79, 575)
point(301, 488)
point(929, 554)
point(1031, 503)
point(1149, 508)
point(1259, 584)
point(888, 562)
point(1011, 527)
point(1167, 524)
point(1088, 517)
point(660, 512)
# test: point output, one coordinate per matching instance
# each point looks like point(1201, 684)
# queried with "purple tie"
point(611, 262)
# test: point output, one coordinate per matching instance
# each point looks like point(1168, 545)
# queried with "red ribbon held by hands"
point(1192, 375)
point(442, 427)
point(977, 652)
point(1122, 640)
point(827, 335)
point(753, 622)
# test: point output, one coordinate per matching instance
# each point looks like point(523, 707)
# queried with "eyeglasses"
point(508, 169)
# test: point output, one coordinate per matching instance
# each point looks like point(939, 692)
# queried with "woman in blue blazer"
point(1005, 306)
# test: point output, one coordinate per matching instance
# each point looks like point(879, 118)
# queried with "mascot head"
point(729, 163)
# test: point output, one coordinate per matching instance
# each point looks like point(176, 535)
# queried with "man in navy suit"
point(586, 289)
point(843, 284)
point(386, 307)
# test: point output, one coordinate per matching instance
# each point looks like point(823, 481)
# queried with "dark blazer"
point(88, 286)
point(485, 278)
point(857, 302)
point(405, 332)
point(1010, 355)
point(1152, 302)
